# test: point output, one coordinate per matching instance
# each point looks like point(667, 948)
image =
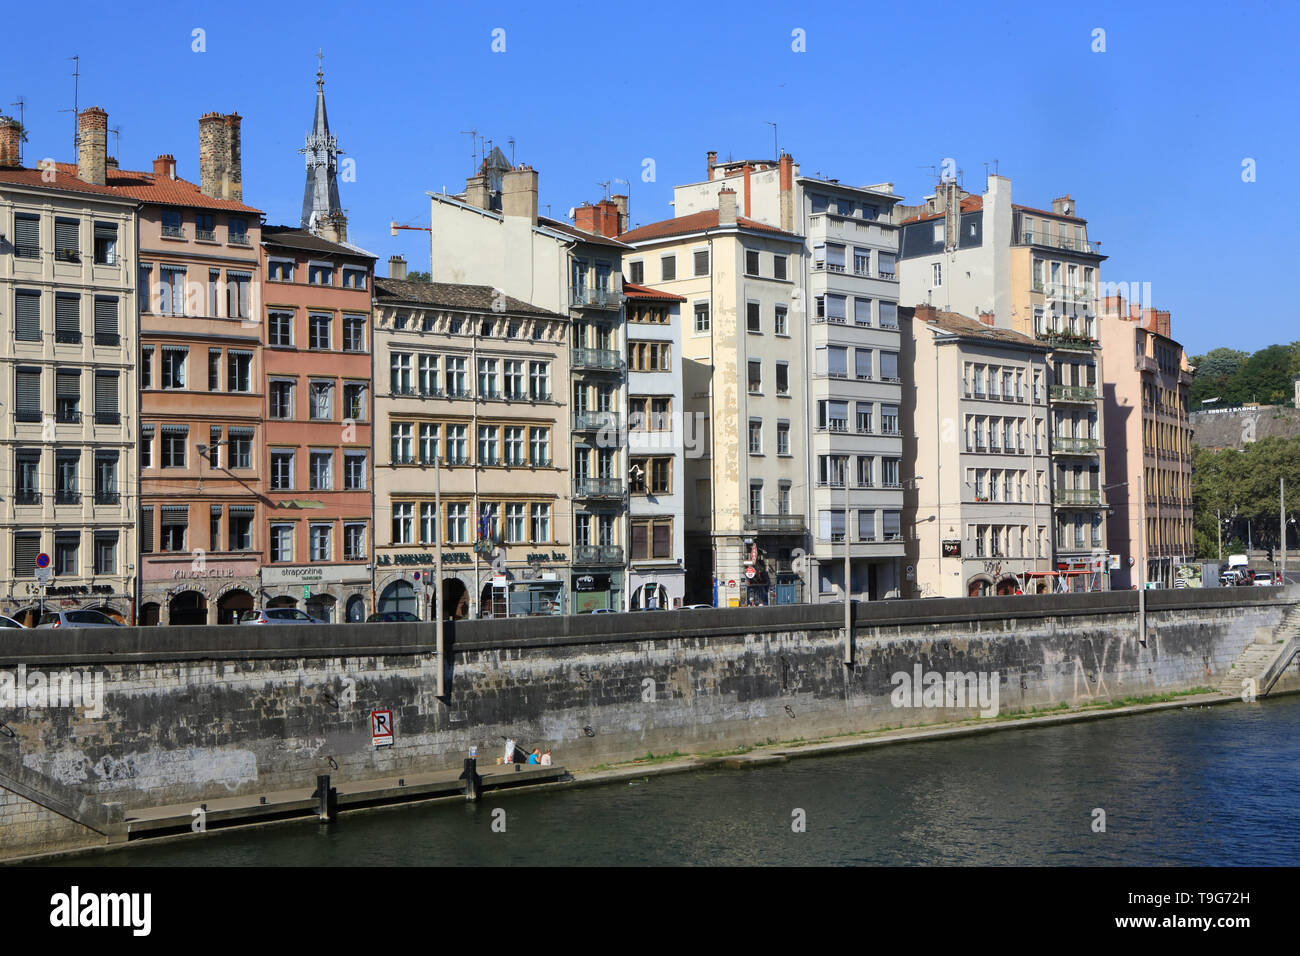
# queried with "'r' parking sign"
point(381, 728)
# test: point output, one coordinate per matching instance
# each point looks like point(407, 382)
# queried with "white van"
point(1237, 562)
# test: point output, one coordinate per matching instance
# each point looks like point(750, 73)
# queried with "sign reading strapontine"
point(313, 573)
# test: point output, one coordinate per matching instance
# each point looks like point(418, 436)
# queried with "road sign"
point(306, 590)
point(381, 728)
point(750, 572)
point(43, 576)
point(42, 560)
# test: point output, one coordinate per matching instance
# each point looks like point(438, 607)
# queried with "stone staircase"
point(1259, 658)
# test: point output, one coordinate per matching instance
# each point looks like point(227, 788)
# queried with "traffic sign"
point(306, 590)
point(381, 728)
point(43, 576)
point(42, 560)
point(750, 572)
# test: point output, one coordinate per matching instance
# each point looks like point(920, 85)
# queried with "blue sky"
point(1148, 137)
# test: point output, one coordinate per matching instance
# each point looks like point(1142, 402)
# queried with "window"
point(146, 446)
point(893, 525)
point(833, 360)
point(835, 308)
point(832, 470)
point(27, 394)
point(240, 528)
point(318, 274)
point(539, 381)
point(65, 477)
point(541, 521)
point(755, 436)
point(702, 317)
point(282, 470)
point(400, 373)
point(866, 526)
point(27, 477)
point(514, 445)
point(429, 439)
point(866, 471)
point(67, 396)
point(106, 410)
point(205, 227)
point(540, 446)
point(781, 325)
point(889, 472)
point(146, 531)
point(27, 237)
point(513, 378)
point(146, 367)
point(667, 268)
point(214, 370)
point(354, 401)
point(889, 419)
point(458, 444)
point(354, 471)
point(319, 331)
point(67, 240)
point(428, 523)
point(783, 498)
point(354, 278)
point(239, 371)
point(401, 443)
point(783, 438)
point(456, 386)
point(27, 316)
point(936, 277)
point(214, 281)
point(354, 542)
point(175, 524)
point(458, 524)
point(830, 527)
point(885, 264)
point(354, 333)
point(649, 356)
point(404, 523)
point(487, 378)
point(701, 259)
point(751, 262)
point(321, 545)
point(322, 470)
point(637, 272)
point(755, 377)
point(322, 401)
point(106, 552)
point(888, 315)
point(214, 528)
point(172, 448)
point(889, 366)
point(279, 328)
point(238, 294)
point(488, 437)
point(864, 415)
point(861, 261)
point(862, 363)
point(753, 321)
point(833, 415)
point(280, 270)
point(756, 497)
point(516, 522)
point(282, 399)
point(173, 366)
point(67, 319)
point(779, 267)
point(240, 445)
point(281, 543)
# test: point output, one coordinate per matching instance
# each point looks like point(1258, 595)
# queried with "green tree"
point(1266, 376)
point(418, 277)
point(1216, 372)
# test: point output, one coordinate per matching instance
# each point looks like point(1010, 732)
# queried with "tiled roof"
point(969, 204)
point(1046, 212)
point(579, 234)
point(129, 184)
point(293, 237)
point(958, 324)
point(453, 295)
point(695, 222)
point(634, 291)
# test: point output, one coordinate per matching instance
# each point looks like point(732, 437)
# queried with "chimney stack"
point(334, 227)
point(92, 146)
point(621, 203)
point(786, 166)
point(11, 142)
point(603, 218)
point(726, 206)
point(925, 313)
point(233, 183)
point(477, 193)
point(986, 318)
point(164, 167)
point(397, 267)
point(221, 156)
point(519, 193)
point(1060, 204)
point(712, 161)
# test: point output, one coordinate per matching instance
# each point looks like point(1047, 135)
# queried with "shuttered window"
point(639, 530)
point(67, 318)
point(701, 262)
point(106, 322)
point(27, 237)
point(146, 530)
point(106, 411)
point(26, 547)
point(171, 297)
point(67, 246)
point(27, 394)
point(27, 316)
point(67, 397)
point(663, 534)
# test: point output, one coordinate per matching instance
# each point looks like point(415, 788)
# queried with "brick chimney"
point(397, 267)
point(726, 206)
point(603, 218)
point(1154, 320)
point(986, 318)
point(519, 193)
point(233, 184)
point(712, 161)
point(11, 142)
point(747, 169)
point(164, 167)
point(925, 313)
point(213, 152)
point(786, 170)
point(92, 146)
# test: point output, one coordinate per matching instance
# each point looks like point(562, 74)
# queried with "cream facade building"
point(975, 455)
point(69, 471)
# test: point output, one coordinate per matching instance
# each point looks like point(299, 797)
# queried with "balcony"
point(1145, 363)
point(205, 235)
point(238, 239)
point(25, 496)
point(1078, 497)
point(1029, 238)
point(594, 421)
point(595, 298)
point(453, 460)
point(107, 498)
point(68, 416)
point(1072, 341)
point(107, 338)
point(64, 496)
point(774, 524)
point(1074, 393)
point(598, 488)
point(605, 360)
point(1074, 446)
point(587, 554)
point(67, 336)
point(108, 418)
point(173, 232)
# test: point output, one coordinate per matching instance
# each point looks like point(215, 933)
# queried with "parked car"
point(278, 615)
point(10, 622)
point(393, 617)
point(1264, 579)
point(696, 607)
point(87, 618)
point(601, 610)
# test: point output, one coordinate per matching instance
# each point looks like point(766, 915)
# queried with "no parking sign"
point(381, 728)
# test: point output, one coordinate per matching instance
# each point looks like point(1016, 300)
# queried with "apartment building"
point(315, 449)
point(492, 235)
point(68, 457)
point(1148, 443)
point(472, 455)
point(1037, 272)
point(655, 441)
point(743, 357)
point(976, 461)
point(847, 318)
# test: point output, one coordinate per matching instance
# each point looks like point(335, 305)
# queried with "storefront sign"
point(952, 549)
point(591, 582)
point(424, 558)
point(314, 574)
point(541, 557)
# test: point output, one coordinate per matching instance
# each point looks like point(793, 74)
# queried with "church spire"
point(320, 200)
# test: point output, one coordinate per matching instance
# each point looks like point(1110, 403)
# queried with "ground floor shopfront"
point(657, 586)
point(471, 587)
point(114, 596)
point(181, 589)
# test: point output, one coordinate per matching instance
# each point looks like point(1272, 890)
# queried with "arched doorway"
point(322, 607)
point(398, 596)
point(232, 604)
point(455, 598)
point(649, 596)
point(149, 614)
point(356, 609)
point(282, 601)
point(1007, 585)
point(979, 586)
point(493, 601)
point(188, 607)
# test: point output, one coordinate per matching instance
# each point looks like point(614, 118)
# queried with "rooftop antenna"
point(473, 135)
point(986, 177)
point(511, 141)
point(934, 174)
point(604, 183)
point(775, 142)
point(117, 141)
point(76, 90)
point(21, 103)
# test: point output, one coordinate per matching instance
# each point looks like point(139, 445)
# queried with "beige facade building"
point(470, 408)
point(743, 363)
point(1148, 440)
point(68, 459)
point(975, 457)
